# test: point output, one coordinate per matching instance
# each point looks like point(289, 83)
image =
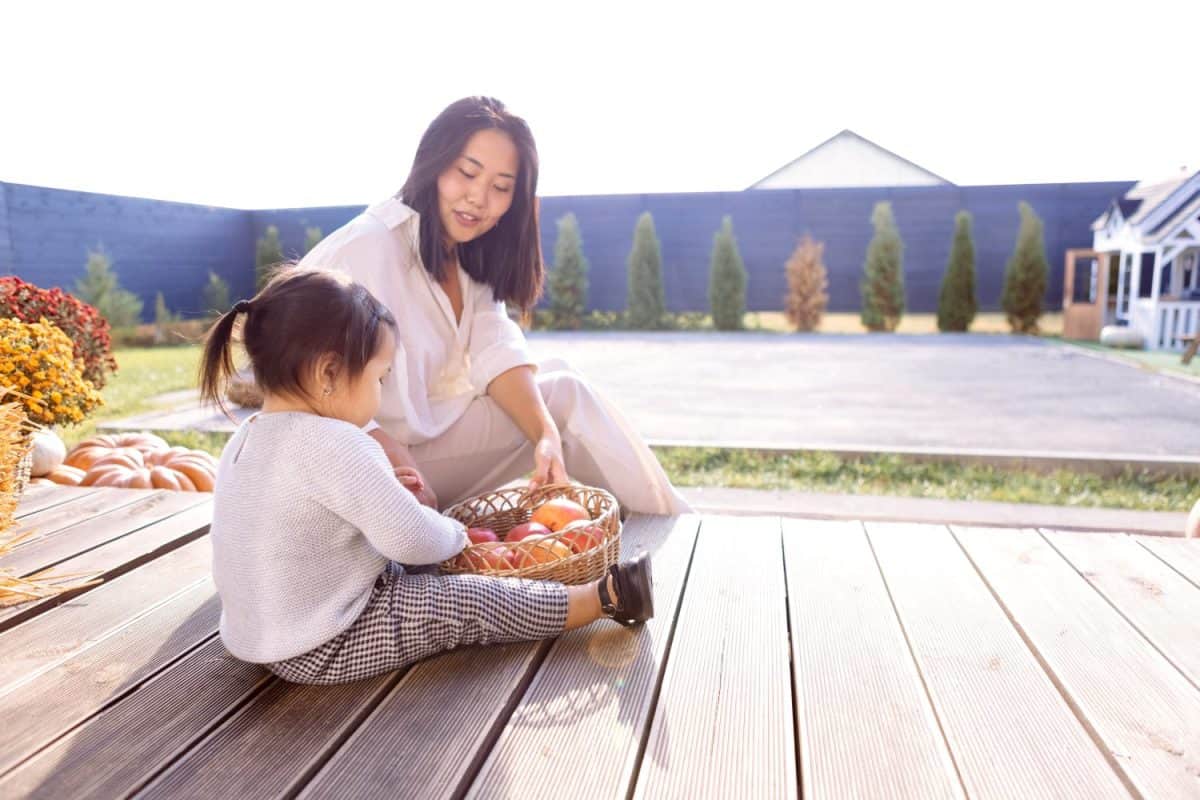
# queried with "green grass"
point(896, 476)
point(148, 372)
point(1152, 360)
point(142, 374)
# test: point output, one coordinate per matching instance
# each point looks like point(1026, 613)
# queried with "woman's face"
point(476, 190)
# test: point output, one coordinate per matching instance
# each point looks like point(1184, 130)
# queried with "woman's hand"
point(412, 480)
point(548, 466)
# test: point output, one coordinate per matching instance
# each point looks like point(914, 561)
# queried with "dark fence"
point(170, 247)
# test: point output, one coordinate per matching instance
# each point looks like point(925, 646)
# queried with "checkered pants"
point(412, 616)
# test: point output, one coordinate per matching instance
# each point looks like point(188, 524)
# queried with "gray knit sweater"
point(306, 515)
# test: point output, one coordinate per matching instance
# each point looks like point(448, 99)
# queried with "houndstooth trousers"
point(412, 616)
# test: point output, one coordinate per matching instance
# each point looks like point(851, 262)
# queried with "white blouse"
point(440, 365)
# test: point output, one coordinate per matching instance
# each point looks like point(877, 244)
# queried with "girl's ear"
point(326, 369)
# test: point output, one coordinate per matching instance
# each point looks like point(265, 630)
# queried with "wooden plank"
point(723, 726)
point(111, 755)
point(865, 723)
point(579, 729)
point(1183, 555)
point(274, 743)
point(432, 730)
point(39, 711)
point(120, 556)
point(95, 530)
point(1138, 706)
point(1160, 602)
point(51, 520)
point(1011, 733)
point(435, 728)
point(36, 499)
point(81, 623)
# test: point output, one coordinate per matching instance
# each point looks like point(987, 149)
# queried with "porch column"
point(1121, 286)
point(1155, 290)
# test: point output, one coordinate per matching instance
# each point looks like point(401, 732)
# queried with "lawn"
point(146, 373)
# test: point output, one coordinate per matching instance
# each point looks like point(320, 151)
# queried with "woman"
point(465, 405)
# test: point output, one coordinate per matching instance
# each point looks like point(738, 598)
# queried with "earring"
point(328, 391)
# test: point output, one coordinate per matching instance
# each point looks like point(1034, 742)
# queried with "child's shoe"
point(635, 590)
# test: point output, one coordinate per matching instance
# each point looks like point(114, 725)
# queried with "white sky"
point(256, 104)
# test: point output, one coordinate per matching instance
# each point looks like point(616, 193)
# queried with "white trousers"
point(485, 449)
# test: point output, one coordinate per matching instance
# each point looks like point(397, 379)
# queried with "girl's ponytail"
point(216, 364)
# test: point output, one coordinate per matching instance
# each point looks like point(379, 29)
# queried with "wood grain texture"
point(865, 723)
point(273, 744)
point(118, 556)
point(43, 709)
point(1183, 555)
point(723, 725)
point(579, 728)
point(67, 630)
point(118, 751)
point(1156, 599)
point(1010, 732)
point(429, 734)
point(75, 509)
point(38, 498)
point(1137, 704)
point(101, 527)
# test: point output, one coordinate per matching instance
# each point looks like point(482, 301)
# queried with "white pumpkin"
point(48, 452)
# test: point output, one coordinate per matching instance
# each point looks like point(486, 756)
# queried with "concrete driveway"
point(962, 392)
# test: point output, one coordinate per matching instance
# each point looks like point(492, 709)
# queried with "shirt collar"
point(392, 212)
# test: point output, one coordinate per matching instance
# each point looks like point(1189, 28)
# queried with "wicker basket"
point(24, 467)
point(505, 509)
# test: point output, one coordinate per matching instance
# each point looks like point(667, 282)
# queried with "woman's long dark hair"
point(299, 316)
point(508, 258)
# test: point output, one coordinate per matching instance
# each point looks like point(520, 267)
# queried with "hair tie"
point(241, 307)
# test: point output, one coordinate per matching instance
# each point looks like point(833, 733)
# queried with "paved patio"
point(885, 391)
point(994, 394)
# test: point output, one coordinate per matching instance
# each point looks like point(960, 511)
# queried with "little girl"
point(311, 525)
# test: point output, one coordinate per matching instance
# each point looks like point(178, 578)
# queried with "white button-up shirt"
point(441, 365)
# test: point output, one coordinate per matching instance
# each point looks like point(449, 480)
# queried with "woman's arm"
point(516, 392)
point(402, 461)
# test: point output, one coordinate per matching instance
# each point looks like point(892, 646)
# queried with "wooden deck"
point(789, 658)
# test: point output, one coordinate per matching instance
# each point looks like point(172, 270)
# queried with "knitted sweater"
point(307, 513)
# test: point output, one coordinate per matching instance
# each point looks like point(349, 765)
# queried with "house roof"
point(844, 135)
point(1144, 198)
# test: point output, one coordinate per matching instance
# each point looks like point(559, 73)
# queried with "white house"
point(1153, 232)
point(848, 159)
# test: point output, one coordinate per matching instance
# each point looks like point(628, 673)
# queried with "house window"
point(1084, 289)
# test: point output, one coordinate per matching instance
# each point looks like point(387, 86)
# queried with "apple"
point(525, 529)
point(583, 538)
point(559, 512)
point(479, 535)
point(543, 551)
point(486, 558)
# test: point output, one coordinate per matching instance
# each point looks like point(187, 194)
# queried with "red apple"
point(584, 538)
point(519, 532)
point(486, 558)
point(477, 535)
point(539, 550)
point(559, 512)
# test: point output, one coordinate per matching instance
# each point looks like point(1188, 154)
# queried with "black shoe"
point(635, 588)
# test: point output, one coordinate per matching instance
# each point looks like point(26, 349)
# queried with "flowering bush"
point(39, 370)
point(82, 323)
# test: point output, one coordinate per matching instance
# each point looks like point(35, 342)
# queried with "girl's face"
point(357, 401)
point(476, 190)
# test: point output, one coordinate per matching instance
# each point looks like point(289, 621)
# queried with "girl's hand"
point(548, 464)
point(411, 479)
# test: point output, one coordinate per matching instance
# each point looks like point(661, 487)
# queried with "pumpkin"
point(48, 452)
point(84, 454)
point(175, 468)
point(65, 475)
